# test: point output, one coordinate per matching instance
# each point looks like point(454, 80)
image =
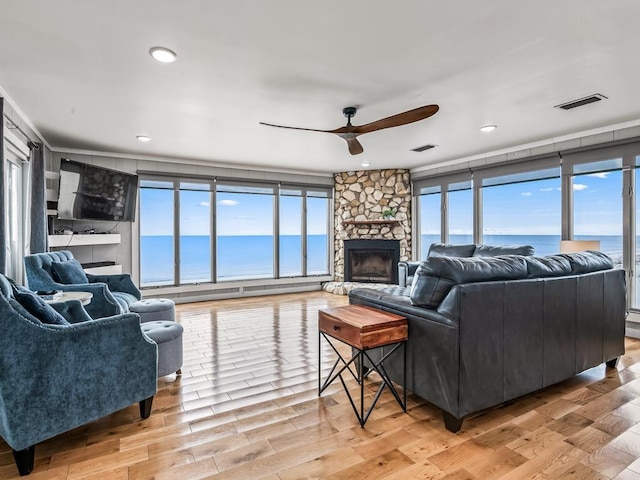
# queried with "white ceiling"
point(80, 71)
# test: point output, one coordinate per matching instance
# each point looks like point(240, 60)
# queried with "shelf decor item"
point(388, 213)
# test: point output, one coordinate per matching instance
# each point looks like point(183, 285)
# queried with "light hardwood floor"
point(246, 407)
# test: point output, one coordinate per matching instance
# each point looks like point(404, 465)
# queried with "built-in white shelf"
point(77, 240)
point(105, 270)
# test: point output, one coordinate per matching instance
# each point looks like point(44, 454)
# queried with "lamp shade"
point(571, 246)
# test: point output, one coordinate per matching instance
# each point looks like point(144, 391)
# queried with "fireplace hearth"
point(371, 261)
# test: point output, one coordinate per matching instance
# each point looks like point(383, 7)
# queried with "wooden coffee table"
point(363, 328)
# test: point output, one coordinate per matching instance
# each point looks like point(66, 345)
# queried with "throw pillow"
point(68, 272)
point(37, 307)
point(428, 287)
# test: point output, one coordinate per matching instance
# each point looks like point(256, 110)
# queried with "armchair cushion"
point(68, 272)
point(37, 307)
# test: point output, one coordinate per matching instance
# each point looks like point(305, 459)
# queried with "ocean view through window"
point(178, 239)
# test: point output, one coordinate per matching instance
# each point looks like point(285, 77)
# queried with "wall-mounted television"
point(88, 192)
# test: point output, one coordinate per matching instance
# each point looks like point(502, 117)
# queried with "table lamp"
point(571, 246)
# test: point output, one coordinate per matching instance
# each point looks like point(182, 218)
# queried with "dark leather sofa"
point(484, 331)
point(406, 270)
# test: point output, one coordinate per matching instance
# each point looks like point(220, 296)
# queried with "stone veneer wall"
point(362, 196)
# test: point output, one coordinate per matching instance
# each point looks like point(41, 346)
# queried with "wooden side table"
point(363, 328)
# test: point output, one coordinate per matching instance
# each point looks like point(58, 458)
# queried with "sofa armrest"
point(71, 310)
point(406, 270)
point(117, 283)
point(103, 303)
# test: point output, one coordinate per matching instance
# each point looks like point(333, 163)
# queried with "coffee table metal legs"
point(358, 360)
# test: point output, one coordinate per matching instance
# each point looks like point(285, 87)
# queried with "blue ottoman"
point(168, 337)
point(154, 309)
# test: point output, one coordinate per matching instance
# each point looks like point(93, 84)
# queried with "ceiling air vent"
point(428, 146)
point(596, 97)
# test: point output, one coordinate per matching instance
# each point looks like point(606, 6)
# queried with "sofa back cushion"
point(449, 250)
point(493, 251)
point(435, 276)
point(550, 266)
point(587, 261)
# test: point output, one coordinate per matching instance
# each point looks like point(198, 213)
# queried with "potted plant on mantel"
point(389, 213)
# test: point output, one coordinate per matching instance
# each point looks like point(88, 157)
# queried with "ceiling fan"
point(350, 132)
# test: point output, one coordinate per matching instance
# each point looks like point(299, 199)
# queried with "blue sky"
point(529, 208)
point(534, 208)
point(238, 214)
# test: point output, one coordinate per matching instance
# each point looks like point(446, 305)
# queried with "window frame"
point(215, 185)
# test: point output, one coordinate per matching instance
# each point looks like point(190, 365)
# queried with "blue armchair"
point(112, 294)
point(56, 377)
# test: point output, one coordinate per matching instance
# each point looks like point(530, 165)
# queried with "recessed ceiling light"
point(144, 138)
point(488, 128)
point(366, 164)
point(163, 55)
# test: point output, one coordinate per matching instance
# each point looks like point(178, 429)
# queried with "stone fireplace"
point(360, 199)
point(371, 261)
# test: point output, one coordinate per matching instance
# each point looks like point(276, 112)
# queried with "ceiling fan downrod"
point(349, 112)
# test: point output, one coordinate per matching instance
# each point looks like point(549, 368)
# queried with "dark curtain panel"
point(3, 232)
point(38, 240)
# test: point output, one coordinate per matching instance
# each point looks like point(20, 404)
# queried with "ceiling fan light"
point(143, 138)
point(163, 55)
point(488, 128)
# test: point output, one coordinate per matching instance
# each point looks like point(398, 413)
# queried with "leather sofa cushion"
point(587, 261)
point(550, 266)
point(493, 251)
point(449, 250)
point(436, 275)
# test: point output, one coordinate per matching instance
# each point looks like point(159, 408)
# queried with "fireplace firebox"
point(371, 261)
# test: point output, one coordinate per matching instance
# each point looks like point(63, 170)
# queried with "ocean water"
point(543, 244)
point(244, 257)
point(238, 257)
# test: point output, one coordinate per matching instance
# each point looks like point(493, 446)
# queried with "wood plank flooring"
point(246, 407)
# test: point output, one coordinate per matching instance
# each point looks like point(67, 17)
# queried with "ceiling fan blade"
point(297, 128)
point(354, 145)
point(404, 118)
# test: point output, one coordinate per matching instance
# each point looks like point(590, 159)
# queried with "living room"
point(236, 220)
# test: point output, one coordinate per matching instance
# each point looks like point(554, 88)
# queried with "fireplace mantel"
point(371, 222)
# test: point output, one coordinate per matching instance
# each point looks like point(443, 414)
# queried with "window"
point(195, 233)
point(317, 232)
point(245, 241)
point(304, 236)
point(635, 243)
point(430, 207)
point(460, 213)
point(157, 249)
point(597, 205)
point(291, 238)
point(203, 230)
point(523, 209)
